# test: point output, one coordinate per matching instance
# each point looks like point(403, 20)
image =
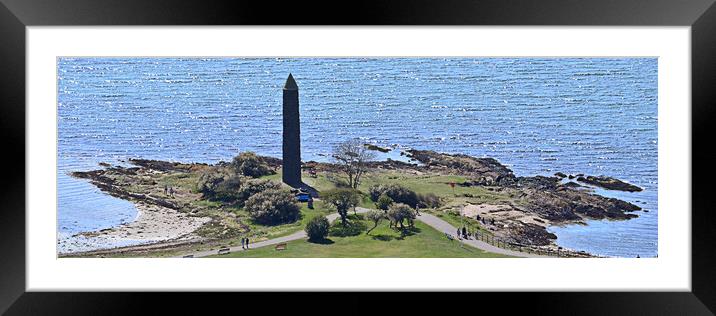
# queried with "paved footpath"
point(297, 235)
point(445, 227)
point(428, 219)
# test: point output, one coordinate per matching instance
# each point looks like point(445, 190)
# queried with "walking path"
point(275, 241)
point(428, 219)
point(445, 227)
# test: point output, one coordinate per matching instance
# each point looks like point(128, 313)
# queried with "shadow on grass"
point(405, 232)
point(353, 227)
point(383, 237)
point(408, 231)
point(324, 241)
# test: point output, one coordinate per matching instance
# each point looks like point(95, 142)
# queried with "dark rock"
point(609, 183)
point(561, 175)
point(572, 185)
point(571, 177)
point(540, 182)
point(376, 148)
point(485, 170)
point(531, 234)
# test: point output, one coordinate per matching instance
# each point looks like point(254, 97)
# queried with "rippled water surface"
point(536, 115)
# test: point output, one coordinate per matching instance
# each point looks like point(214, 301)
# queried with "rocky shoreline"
point(531, 204)
point(539, 202)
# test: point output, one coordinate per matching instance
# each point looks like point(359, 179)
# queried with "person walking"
point(247, 242)
point(242, 243)
point(458, 233)
point(166, 190)
point(464, 232)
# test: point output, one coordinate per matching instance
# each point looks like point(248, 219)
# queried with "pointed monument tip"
point(290, 83)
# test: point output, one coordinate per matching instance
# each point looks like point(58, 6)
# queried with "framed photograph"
point(433, 147)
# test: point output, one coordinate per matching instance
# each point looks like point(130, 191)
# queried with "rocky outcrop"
point(376, 148)
point(571, 205)
point(106, 183)
point(530, 234)
point(163, 166)
point(484, 170)
point(609, 183)
point(539, 182)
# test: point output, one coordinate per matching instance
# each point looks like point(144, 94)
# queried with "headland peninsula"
point(188, 208)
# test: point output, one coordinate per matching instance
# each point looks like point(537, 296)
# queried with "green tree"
point(317, 228)
point(384, 202)
point(375, 217)
point(273, 207)
point(342, 200)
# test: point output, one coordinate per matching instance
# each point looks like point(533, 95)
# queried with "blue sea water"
point(536, 115)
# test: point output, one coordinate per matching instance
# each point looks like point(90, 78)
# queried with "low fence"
point(501, 243)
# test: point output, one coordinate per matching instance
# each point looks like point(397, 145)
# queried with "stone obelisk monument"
point(291, 134)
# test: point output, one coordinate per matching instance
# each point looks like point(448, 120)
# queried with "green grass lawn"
point(269, 232)
point(383, 242)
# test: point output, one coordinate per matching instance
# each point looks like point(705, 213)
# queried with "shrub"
point(317, 228)
point(375, 191)
point(429, 200)
point(208, 181)
point(251, 165)
point(398, 213)
point(398, 193)
point(254, 186)
point(384, 202)
point(375, 217)
point(273, 207)
point(228, 189)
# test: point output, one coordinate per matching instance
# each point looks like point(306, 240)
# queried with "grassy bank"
point(383, 242)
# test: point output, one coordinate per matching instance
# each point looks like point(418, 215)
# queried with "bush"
point(375, 217)
point(208, 181)
point(375, 191)
point(251, 165)
point(429, 200)
point(399, 212)
point(273, 207)
point(384, 202)
point(398, 193)
point(254, 186)
point(228, 189)
point(317, 228)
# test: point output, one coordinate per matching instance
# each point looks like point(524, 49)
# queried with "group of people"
point(463, 233)
point(484, 221)
point(168, 191)
point(245, 243)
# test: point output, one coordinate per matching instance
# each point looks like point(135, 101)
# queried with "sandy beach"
point(153, 224)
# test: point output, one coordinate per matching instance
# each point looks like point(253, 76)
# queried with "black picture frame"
point(16, 15)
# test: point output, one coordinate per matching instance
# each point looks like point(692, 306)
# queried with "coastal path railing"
point(501, 243)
